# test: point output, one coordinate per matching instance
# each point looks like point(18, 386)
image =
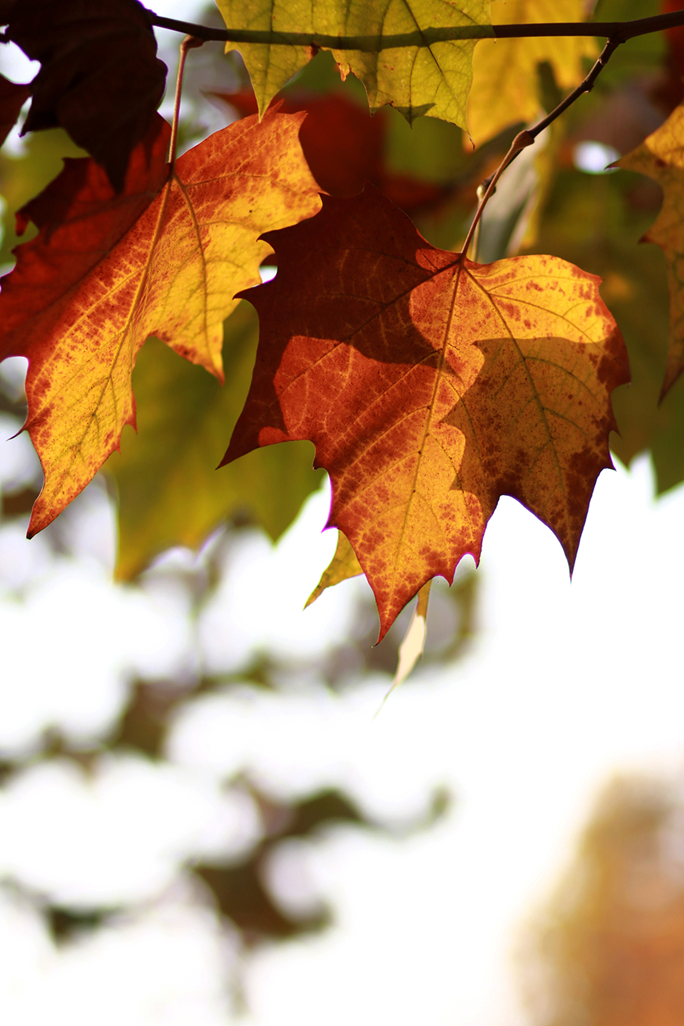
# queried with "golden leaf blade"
point(661, 157)
point(90, 288)
point(505, 87)
point(431, 79)
point(342, 566)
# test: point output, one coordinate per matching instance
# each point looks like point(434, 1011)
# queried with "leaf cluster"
point(426, 382)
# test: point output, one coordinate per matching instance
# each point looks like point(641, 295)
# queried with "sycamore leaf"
point(505, 87)
point(343, 565)
point(12, 97)
point(169, 490)
point(661, 156)
point(432, 77)
point(164, 258)
point(596, 228)
point(100, 77)
point(430, 387)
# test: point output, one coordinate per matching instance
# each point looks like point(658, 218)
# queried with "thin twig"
point(527, 137)
point(189, 43)
point(620, 31)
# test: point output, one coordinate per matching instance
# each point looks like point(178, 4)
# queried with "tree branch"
point(620, 31)
point(527, 136)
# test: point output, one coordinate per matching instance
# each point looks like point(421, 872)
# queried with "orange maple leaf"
point(164, 258)
point(430, 386)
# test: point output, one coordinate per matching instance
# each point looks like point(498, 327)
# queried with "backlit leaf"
point(430, 387)
point(343, 565)
point(432, 77)
point(164, 258)
point(661, 156)
point(169, 490)
point(505, 87)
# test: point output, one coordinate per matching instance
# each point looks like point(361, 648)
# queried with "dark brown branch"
point(527, 136)
point(620, 31)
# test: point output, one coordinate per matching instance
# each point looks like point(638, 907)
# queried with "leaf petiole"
point(188, 43)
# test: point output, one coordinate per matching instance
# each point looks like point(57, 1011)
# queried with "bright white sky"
point(568, 685)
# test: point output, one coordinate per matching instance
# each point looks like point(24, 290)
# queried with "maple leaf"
point(12, 97)
point(168, 489)
point(505, 87)
point(430, 387)
point(100, 78)
point(430, 78)
point(661, 156)
point(164, 258)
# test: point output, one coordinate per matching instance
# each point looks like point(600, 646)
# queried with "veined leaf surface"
point(431, 77)
point(430, 387)
point(164, 258)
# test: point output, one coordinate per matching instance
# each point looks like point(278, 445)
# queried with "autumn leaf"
point(430, 387)
point(169, 490)
point(428, 78)
point(597, 228)
point(12, 98)
point(505, 87)
point(100, 78)
point(661, 157)
point(343, 565)
point(164, 258)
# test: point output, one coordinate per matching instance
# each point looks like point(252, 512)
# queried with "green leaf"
point(429, 76)
point(23, 177)
point(170, 492)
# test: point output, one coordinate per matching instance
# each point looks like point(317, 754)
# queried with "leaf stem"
point(620, 31)
point(189, 43)
point(528, 136)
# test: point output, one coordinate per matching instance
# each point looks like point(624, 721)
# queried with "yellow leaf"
point(430, 78)
point(165, 258)
point(343, 565)
point(661, 156)
point(505, 87)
